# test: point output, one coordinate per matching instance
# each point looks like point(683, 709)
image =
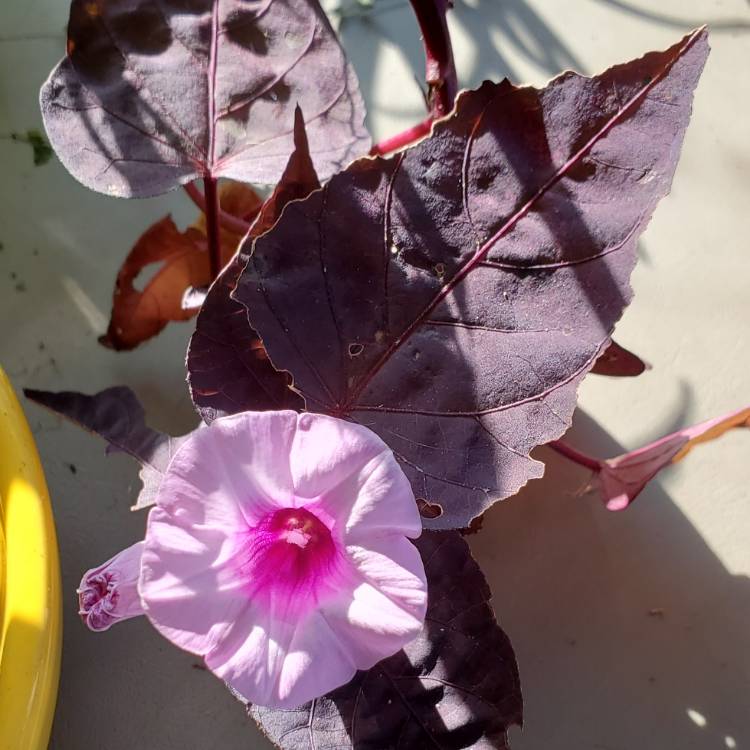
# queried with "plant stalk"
point(229, 222)
point(440, 67)
point(400, 140)
point(213, 234)
point(576, 456)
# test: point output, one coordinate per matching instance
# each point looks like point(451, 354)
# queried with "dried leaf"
point(139, 315)
point(228, 368)
point(617, 361)
point(622, 479)
point(455, 686)
point(157, 93)
point(452, 298)
point(117, 416)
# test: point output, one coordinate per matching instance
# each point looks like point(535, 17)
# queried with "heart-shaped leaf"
point(116, 415)
point(228, 368)
point(157, 93)
point(455, 686)
point(452, 298)
point(137, 315)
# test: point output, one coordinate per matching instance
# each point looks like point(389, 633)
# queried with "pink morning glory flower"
point(279, 551)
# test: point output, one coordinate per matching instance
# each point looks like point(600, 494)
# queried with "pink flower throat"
point(291, 551)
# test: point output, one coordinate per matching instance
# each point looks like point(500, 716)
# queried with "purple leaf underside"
point(157, 93)
point(117, 416)
point(455, 686)
point(453, 297)
point(228, 368)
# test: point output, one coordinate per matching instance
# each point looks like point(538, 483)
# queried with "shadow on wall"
point(663, 19)
point(629, 631)
point(501, 30)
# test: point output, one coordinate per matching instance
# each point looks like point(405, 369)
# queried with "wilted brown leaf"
point(139, 315)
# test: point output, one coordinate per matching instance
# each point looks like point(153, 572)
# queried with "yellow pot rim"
point(30, 605)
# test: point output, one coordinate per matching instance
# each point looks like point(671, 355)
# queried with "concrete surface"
point(632, 630)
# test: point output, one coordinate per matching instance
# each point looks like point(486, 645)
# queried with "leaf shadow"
point(491, 25)
point(629, 630)
point(719, 25)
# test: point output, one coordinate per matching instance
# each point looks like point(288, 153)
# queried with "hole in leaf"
point(355, 350)
point(429, 510)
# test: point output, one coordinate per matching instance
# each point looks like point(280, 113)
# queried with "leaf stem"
point(212, 225)
point(440, 67)
point(229, 222)
point(576, 456)
point(402, 139)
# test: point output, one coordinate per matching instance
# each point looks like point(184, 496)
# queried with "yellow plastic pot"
point(30, 609)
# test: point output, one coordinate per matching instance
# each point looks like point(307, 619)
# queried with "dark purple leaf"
point(157, 93)
point(616, 361)
point(228, 368)
point(116, 415)
point(455, 686)
point(453, 297)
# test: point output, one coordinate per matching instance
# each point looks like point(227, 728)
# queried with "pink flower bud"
point(109, 593)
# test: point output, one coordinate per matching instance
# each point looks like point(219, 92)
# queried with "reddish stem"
point(212, 225)
point(576, 456)
point(229, 222)
point(400, 140)
point(440, 67)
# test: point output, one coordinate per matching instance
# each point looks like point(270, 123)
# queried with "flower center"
point(300, 527)
point(290, 552)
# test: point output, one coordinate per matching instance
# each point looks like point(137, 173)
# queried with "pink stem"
point(213, 234)
point(230, 223)
point(405, 138)
point(576, 456)
point(440, 66)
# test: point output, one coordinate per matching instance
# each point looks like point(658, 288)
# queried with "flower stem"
point(212, 225)
point(576, 456)
point(229, 222)
point(400, 140)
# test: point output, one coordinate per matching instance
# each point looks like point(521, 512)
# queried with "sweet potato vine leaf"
point(620, 480)
point(455, 686)
point(116, 415)
point(157, 93)
point(228, 368)
point(139, 315)
point(452, 298)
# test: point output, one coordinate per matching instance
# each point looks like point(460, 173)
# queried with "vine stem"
point(440, 73)
point(440, 67)
point(400, 140)
point(229, 222)
point(213, 234)
point(576, 456)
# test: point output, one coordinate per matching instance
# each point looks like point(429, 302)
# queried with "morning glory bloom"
point(278, 550)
